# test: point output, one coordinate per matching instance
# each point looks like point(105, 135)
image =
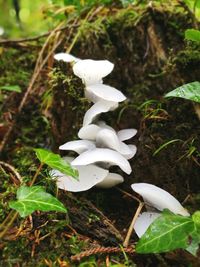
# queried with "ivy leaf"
point(190, 91)
point(56, 162)
point(194, 245)
point(166, 233)
point(192, 35)
point(13, 88)
point(195, 236)
point(30, 199)
point(196, 219)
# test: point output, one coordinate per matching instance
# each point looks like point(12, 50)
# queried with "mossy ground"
point(151, 58)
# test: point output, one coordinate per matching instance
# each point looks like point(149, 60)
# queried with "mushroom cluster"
point(99, 146)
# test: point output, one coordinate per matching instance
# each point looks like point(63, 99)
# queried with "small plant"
point(31, 198)
point(167, 230)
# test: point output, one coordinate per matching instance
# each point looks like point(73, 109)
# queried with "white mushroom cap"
point(112, 179)
point(126, 134)
point(159, 198)
point(143, 222)
point(102, 124)
point(103, 155)
point(108, 138)
point(89, 176)
point(66, 57)
point(133, 150)
point(98, 108)
point(89, 132)
point(79, 146)
point(92, 71)
point(106, 92)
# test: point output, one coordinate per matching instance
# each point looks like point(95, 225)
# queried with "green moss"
point(16, 67)
point(191, 55)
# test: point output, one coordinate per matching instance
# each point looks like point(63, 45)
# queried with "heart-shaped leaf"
point(56, 162)
point(30, 199)
point(166, 233)
point(190, 91)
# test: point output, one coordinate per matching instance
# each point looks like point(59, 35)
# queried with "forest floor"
point(151, 58)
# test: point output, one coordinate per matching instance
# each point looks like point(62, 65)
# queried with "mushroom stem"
point(130, 230)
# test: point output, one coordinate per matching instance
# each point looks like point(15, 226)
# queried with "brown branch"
point(36, 38)
point(101, 250)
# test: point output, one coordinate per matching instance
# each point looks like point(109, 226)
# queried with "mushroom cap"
point(106, 92)
point(143, 222)
point(79, 146)
point(89, 176)
point(103, 155)
point(126, 134)
point(112, 179)
point(159, 198)
point(100, 107)
point(66, 57)
point(133, 150)
point(92, 71)
point(108, 138)
point(89, 132)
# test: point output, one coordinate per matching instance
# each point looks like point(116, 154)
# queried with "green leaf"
point(56, 162)
point(192, 35)
point(190, 91)
point(30, 199)
point(194, 245)
point(13, 88)
point(196, 219)
point(166, 233)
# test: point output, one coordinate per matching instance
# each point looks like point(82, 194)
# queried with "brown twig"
point(13, 170)
point(36, 38)
point(101, 250)
point(130, 230)
point(35, 75)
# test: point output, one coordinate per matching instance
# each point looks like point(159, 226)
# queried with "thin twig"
point(101, 250)
point(12, 169)
point(14, 216)
point(130, 230)
point(27, 93)
point(128, 194)
point(36, 38)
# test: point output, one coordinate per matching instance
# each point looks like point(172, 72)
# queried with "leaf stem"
point(36, 174)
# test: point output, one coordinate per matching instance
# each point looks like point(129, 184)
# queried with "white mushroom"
point(133, 150)
point(112, 179)
point(79, 146)
point(66, 57)
point(103, 155)
point(126, 134)
point(143, 222)
point(98, 108)
point(96, 92)
point(89, 176)
point(159, 198)
point(89, 132)
point(108, 138)
point(92, 71)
